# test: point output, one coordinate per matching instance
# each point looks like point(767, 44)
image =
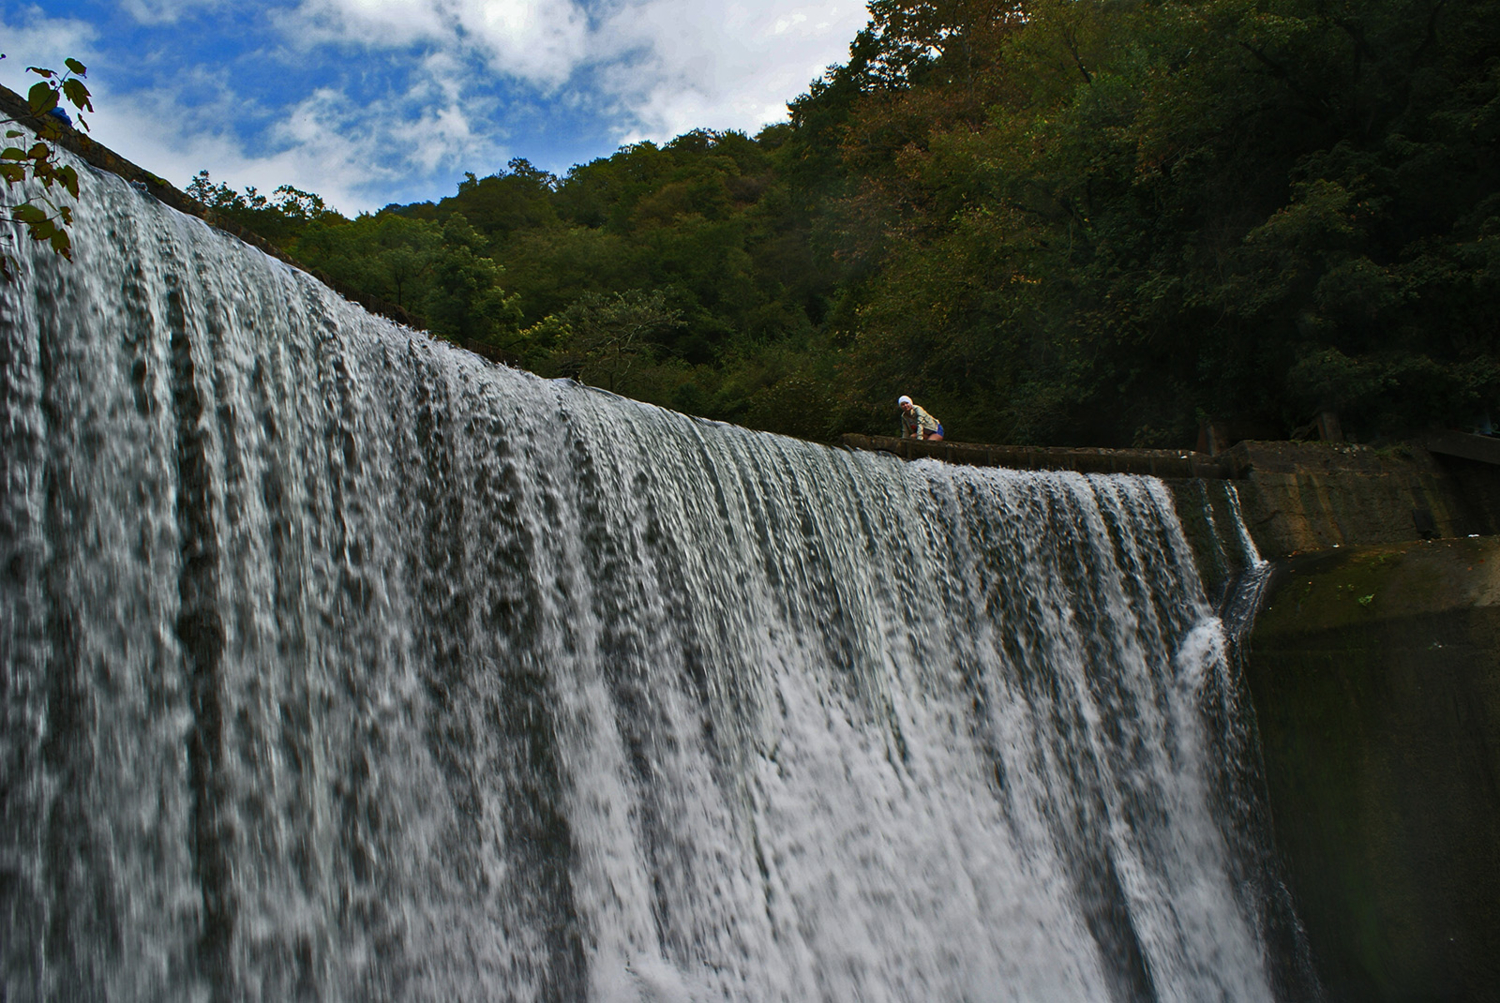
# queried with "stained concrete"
point(1305, 496)
point(1375, 674)
point(1295, 496)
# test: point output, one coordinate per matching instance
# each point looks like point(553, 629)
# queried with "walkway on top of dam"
point(1087, 460)
point(1296, 496)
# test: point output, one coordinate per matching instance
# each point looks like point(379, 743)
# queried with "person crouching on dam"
point(916, 422)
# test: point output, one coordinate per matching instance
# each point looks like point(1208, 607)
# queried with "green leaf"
point(41, 71)
point(29, 214)
point(78, 94)
point(13, 174)
point(62, 243)
point(76, 67)
point(13, 133)
point(42, 98)
point(69, 178)
point(39, 151)
point(12, 153)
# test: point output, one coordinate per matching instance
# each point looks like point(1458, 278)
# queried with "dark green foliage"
point(1090, 221)
point(1170, 206)
point(608, 341)
point(442, 273)
point(44, 217)
point(278, 218)
point(517, 199)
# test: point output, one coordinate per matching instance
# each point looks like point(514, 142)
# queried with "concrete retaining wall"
point(1375, 674)
point(1178, 463)
point(1295, 496)
point(1299, 497)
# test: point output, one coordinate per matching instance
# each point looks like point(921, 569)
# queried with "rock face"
point(1376, 680)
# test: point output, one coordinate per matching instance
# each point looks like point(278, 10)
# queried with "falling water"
point(341, 665)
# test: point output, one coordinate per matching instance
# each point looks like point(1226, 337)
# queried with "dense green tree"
point(465, 301)
point(279, 217)
point(388, 256)
point(1169, 205)
point(516, 199)
point(438, 272)
point(607, 341)
point(1091, 221)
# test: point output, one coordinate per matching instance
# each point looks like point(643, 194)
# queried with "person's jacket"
point(917, 418)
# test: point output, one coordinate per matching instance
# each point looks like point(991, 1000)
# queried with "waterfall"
point(339, 664)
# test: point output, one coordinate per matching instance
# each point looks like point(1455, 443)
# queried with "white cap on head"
point(903, 399)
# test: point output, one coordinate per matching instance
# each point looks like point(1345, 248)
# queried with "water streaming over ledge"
point(340, 665)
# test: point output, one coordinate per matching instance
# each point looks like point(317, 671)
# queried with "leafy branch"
point(44, 216)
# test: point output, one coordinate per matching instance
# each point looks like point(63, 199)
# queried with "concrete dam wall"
point(1375, 673)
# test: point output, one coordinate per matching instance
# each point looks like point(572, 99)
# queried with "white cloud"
point(34, 39)
point(325, 143)
point(163, 11)
point(537, 41)
point(666, 66)
point(651, 68)
point(365, 23)
point(679, 64)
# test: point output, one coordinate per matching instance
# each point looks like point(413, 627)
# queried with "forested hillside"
point(1103, 222)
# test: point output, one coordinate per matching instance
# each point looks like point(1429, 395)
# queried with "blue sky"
point(374, 101)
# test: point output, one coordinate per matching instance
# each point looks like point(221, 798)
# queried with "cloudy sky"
point(374, 101)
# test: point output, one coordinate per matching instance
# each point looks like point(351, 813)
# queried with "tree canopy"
point(1099, 222)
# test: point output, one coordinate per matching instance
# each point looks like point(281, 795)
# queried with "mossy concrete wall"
point(1295, 496)
point(1303, 496)
point(1375, 675)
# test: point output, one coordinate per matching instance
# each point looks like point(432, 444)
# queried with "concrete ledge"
point(1295, 496)
point(1171, 463)
point(1465, 446)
